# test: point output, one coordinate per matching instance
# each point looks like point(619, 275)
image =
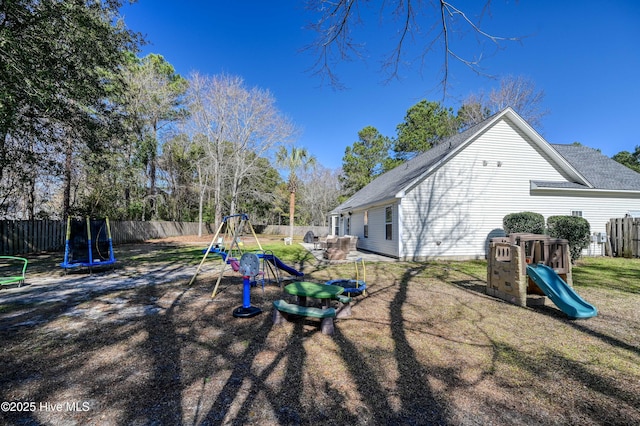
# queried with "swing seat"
point(234, 264)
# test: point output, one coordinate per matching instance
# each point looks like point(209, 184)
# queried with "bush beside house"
point(523, 222)
point(575, 229)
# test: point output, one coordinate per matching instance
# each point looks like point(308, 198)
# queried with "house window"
point(336, 226)
point(348, 231)
point(388, 222)
point(576, 213)
point(366, 223)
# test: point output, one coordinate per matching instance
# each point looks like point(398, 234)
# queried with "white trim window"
point(388, 223)
point(366, 223)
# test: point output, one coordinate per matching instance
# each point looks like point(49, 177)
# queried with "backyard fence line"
point(31, 236)
point(35, 236)
point(124, 232)
point(298, 231)
point(624, 237)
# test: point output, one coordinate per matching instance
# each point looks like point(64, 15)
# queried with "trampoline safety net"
point(88, 243)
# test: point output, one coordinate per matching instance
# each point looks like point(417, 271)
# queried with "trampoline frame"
point(69, 263)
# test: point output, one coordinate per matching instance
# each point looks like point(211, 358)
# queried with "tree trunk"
point(202, 192)
point(233, 203)
point(31, 197)
point(3, 153)
point(153, 159)
point(292, 211)
point(68, 163)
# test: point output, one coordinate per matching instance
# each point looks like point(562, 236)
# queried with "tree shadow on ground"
point(479, 287)
point(183, 359)
point(474, 286)
point(582, 325)
point(417, 408)
point(609, 403)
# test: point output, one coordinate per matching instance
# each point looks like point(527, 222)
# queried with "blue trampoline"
point(88, 244)
point(353, 287)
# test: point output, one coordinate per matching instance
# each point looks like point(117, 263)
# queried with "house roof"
point(601, 171)
point(589, 168)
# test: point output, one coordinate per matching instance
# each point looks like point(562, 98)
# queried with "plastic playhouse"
point(522, 268)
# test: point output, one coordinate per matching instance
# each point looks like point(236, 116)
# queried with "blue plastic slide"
point(281, 265)
point(560, 292)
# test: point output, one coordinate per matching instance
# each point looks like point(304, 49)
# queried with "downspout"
point(401, 247)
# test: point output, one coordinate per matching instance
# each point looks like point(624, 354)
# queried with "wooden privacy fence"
point(34, 236)
point(624, 237)
point(298, 231)
point(31, 236)
point(136, 232)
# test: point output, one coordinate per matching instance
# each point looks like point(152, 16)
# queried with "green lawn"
point(608, 274)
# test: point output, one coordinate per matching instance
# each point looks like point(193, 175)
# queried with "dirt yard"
point(138, 346)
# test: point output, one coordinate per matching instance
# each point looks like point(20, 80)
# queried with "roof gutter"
point(372, 204)
point(536, 188)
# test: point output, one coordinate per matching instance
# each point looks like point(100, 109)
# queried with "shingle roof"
point(600, 171)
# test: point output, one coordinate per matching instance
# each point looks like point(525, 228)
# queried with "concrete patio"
point(353, 255)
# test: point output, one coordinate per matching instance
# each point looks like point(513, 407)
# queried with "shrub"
point(529, 222)
point(575, 229)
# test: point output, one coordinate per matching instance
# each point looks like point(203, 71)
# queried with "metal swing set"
point(230, 248)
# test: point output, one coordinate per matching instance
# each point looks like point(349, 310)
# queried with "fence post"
point(608, 249)
point(636, 238)
point(618, 228)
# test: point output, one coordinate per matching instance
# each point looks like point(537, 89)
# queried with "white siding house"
point(449, 201)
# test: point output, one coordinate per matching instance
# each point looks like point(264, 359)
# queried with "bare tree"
point(517, 92)
point(472, 111)
point(319, 193)
point(255, 129)
point(430, 22)
point(154, 101)
point(520, 94)
point(205, 125)
point(239, 126)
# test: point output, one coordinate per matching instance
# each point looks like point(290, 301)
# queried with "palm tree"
point(294, 160)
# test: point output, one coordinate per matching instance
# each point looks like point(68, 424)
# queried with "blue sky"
point(584, 55)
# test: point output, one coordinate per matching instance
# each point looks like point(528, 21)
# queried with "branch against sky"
point(427, 23)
